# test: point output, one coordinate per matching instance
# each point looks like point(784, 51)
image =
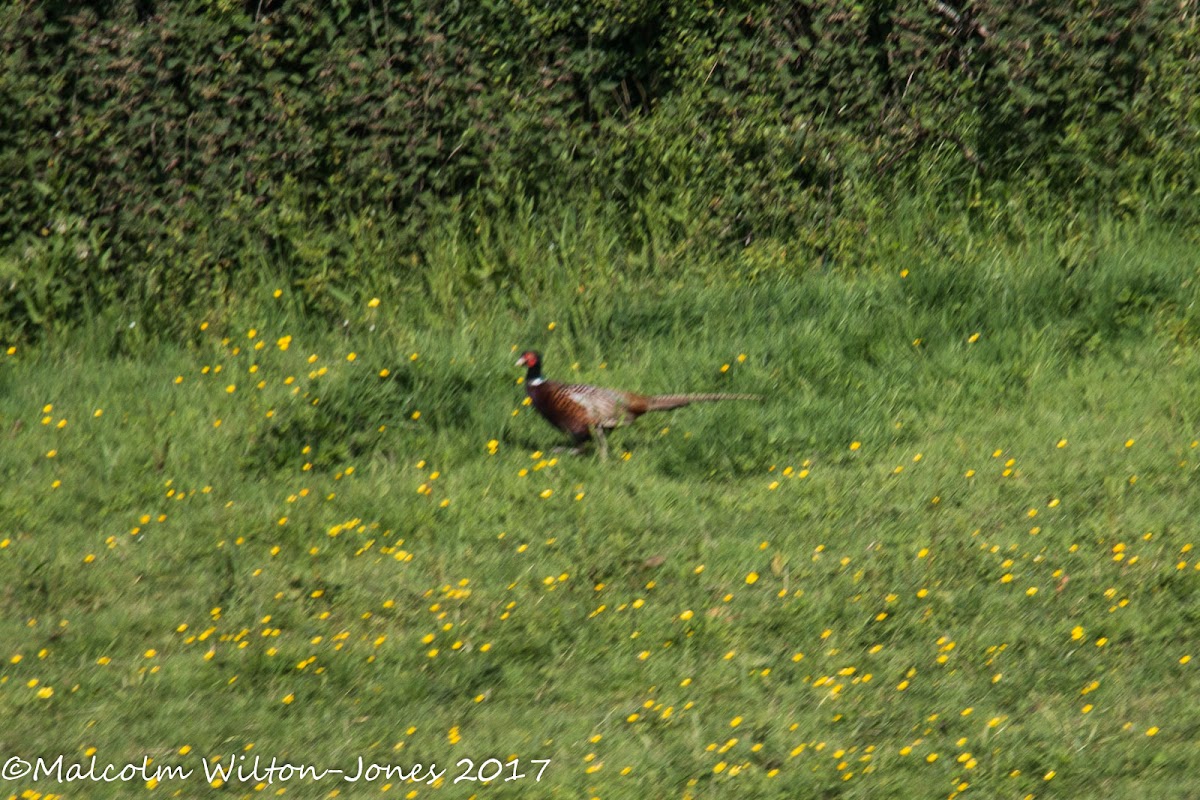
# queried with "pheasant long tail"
point(665, 402)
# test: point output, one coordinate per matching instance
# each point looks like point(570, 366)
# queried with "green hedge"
point(150, 145)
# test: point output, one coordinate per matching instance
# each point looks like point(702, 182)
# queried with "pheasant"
point(583, 411)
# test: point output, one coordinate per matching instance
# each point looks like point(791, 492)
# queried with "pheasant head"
point(532, 361)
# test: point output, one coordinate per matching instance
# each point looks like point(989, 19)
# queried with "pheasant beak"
point(521, 362)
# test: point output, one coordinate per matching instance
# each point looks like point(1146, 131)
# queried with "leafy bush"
point(160, 153)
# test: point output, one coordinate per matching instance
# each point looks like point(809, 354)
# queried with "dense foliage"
point(155, 151)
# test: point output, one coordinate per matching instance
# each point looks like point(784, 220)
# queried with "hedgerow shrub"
point(157, 152)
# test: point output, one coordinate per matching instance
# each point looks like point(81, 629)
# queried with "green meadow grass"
point(950, 554)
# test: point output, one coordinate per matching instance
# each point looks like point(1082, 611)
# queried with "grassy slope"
point(946, 547)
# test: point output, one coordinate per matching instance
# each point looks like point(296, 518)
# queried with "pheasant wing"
point(605, 408)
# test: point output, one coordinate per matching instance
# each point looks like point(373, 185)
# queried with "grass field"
point(951, 553)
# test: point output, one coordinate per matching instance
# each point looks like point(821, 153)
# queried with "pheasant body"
point(583, 411)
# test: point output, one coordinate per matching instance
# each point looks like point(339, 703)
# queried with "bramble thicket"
point(160, 154)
